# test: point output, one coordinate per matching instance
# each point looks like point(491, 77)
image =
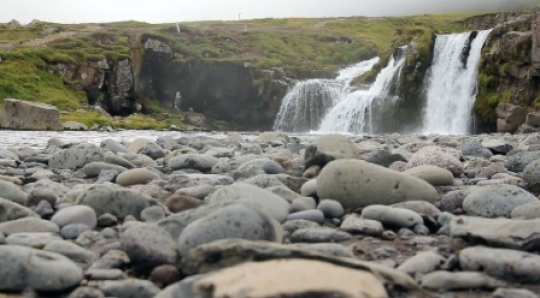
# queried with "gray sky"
point(164, 11)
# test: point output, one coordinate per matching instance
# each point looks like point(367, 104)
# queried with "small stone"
point(319, 235)
point(388, 235)
point(105, 274)
point(153, 214)
point(75, 215)
point(513, 293)
point(357, 225)
point(302, 204)
point(331, 208)
point(178, 203)
point(73, 231)
point(392, 217)
point(44, 209)
point(107, 220)
point(313, 215)
point(24, 267)
point(165, 275)
point(86, 292)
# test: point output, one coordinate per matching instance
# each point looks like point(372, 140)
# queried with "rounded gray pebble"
point(331, 208)
point(73, 231)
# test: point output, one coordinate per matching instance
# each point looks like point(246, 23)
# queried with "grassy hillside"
point(296, 45)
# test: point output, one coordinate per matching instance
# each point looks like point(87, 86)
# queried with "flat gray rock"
point(499, 232)
point(505, 264)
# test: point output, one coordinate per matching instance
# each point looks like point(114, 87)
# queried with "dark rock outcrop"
point(222, 90)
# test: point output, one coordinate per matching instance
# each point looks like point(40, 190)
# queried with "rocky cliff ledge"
point(232, 91)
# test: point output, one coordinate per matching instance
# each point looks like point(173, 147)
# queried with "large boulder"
point(273, 279)
point(39, 270)
point(24, 115)
point(437, 156)
point(496, 200)
point(356, 184)
point(115, 200)
point(510, 117)
point(237, 221)
point(75, 157)
point(328, 148)
point(275, 205)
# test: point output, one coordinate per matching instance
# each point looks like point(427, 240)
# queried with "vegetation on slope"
point(298, 46)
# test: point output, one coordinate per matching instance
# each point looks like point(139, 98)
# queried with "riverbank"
point(157, 214)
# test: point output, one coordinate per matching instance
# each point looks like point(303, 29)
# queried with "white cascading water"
point(308, 101)
point(452, 89)
point(353, 114)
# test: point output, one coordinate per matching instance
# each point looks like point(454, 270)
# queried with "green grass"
point(138, 121)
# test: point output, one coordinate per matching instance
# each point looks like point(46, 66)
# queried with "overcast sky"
point(164, 11)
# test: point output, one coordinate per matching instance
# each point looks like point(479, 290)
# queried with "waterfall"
point(357, 112)
point(451, 89)
point(305, 105)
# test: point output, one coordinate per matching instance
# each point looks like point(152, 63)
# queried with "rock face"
point(221, 90)
point(356, 184)
point(24, 115)
point(514, 85)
